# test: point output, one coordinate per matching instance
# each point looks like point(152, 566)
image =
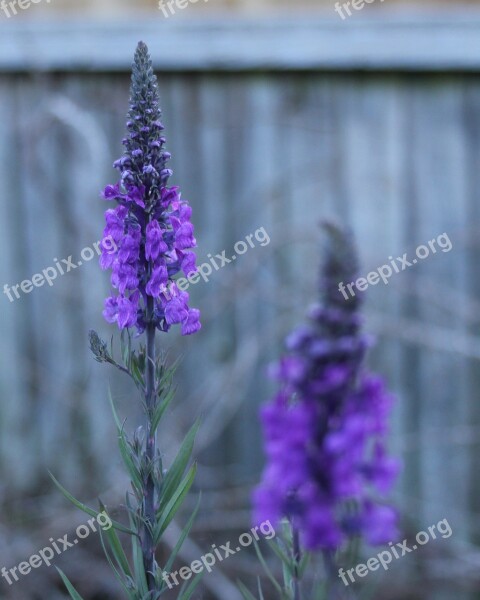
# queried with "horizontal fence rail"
point(418, 42)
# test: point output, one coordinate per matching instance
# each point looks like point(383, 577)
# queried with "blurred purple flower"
point(325, 430)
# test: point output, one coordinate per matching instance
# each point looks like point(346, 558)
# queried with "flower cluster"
point(325, 430)
point(150, 223)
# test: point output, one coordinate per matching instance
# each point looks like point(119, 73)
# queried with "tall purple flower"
point(147, 241)
point(327, 465)
point(150, 224)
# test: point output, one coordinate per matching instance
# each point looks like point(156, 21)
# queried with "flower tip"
point(142, 49)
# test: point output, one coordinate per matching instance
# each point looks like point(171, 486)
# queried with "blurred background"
point(278, 114)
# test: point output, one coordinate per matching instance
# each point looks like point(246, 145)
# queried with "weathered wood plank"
point(413, 42)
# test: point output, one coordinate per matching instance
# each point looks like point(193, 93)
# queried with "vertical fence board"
point(391, 155)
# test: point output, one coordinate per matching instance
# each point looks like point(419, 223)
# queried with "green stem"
point(149, 490)
point(333, 589)
point(297, 557)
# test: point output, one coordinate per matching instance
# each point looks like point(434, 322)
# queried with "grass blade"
point(71, 590)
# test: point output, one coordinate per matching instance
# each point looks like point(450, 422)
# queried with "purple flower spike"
point(327, 464)
point(150, 227)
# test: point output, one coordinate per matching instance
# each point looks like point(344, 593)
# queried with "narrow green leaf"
point(136, 372)
point(266, 568)
point(128, 461)
point(74, 501)
point(138, 567)
point(246, 593)
point(141, 358)
point(303, 564)
point(177, 470)
point(287, 577)
point(187, 594)
point(116, 546)
point(175, 503)
point(85, 508)
point(161, 408)
point(124, 449)
point(284, 558)
point(260, 591)
point(130, 592)
point(71, 590)
point(183, 537)
point(114, 410)
point(125, 347)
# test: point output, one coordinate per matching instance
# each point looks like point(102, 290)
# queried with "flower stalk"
point(151, 450)
point(152, 243)
point(297, 557)
point(328, 470)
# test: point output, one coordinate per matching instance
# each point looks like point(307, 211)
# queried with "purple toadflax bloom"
point(150, 224)
point(147, 241)
point(327, 465)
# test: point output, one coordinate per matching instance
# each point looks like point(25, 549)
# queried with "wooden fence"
point(271, 124)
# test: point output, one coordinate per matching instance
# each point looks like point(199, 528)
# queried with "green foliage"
point(133, 362)
point(172, 480)
point(165, 516)
point(321, 584)
point(182, 538)
point(84, 508)
point(246, 592)
point(170, 486)
point(292, 571)
point(187, 590)
point(71, 590)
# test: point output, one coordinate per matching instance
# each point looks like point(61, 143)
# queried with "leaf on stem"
point(86, 509)
point(165, 516)
point(182, 538)
point(175, 473)
point(71, 590)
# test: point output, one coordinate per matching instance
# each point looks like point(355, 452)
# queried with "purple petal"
point(192, 324)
